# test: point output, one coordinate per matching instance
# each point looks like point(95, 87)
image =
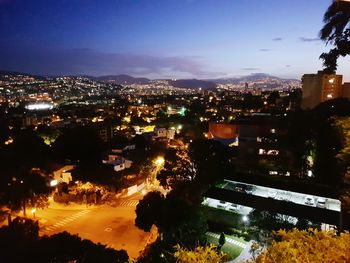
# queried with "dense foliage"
point(336, 32)
point(20, 241)
point(307, 246)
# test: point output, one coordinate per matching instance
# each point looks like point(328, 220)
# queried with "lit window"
point(329, 96)
point(331, 80)
point(273, 130)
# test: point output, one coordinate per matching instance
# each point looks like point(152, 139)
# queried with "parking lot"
point(239, 209)
point(298, 198)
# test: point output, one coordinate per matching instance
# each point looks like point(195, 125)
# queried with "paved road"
point(113, 226)
point(127, 203)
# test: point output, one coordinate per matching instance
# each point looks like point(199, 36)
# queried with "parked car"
point(272, 193)
point(233, 207)
point(309, 200)
point(222, 204)
point(321, 202)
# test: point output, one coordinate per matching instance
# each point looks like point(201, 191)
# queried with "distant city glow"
point(39, 106)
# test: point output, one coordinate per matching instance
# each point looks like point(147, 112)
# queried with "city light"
point(33, 212)
point(159, 161)
point(53, 183)
point(39, 106)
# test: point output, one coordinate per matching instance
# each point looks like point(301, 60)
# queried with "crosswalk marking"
point(129, 203)
point(63, 222)
point(228, 239)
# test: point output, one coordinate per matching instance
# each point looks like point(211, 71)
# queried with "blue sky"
point(163, 38)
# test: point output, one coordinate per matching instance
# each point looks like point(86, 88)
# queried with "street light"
point(53, 183)
point(33, 212)
point(245, 219)
point(159, 161)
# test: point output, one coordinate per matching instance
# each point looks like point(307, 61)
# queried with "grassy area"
point(230, 249)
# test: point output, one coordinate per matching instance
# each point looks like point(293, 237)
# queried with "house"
point(163, 133)
point(160, 132)
point(119, 163)
point(64, 175)
point(128, 147)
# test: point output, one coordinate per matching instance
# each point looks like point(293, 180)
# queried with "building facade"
point(320, 87)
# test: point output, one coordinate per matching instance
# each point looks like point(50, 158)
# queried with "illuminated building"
point(320, 87)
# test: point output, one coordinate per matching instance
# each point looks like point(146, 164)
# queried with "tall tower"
point(320, 87)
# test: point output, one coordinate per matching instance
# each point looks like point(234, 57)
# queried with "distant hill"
point(122, 79)
point(249, 78)
point(15, 73)
point(266, 81)
point(193, 83)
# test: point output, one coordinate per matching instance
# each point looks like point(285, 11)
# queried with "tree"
point(20, 242)
point(19, 184)
point(207, 254)
point(222, 241)
point(148, 210)
point(176, 220)
point(177, 168)
point(336, 32)
point(307, 246)
point(80, 144)
point(211, 160)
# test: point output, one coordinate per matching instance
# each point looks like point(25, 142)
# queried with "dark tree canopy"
point(19, 184)
point(20, 242)
point(176, 220)
point(148, 210)
point(81, 144)
point(336, 32)
point(211, 159)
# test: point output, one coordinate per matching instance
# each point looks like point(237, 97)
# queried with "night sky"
point(163, 38)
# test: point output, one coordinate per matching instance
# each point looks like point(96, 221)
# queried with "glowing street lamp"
point(33, 212)
point(53, 183)
point(159, 161)
point(245, 219)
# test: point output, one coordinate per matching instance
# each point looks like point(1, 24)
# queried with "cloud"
point(264, 49)
point(251, 69)
point(277, 39)
point(92, 62)
point(288, 66)
point(306, 39)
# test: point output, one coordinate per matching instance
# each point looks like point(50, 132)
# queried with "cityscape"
point(156, 150)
